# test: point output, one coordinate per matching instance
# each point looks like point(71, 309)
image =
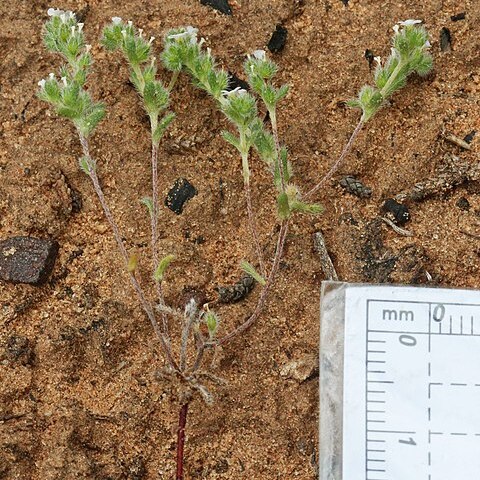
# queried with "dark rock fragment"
point(355, 187)
point(181, 192)
point(236, 82)
point(236, 292)
point(463, 204)
point(20, 350)
point(397, 212)
point(27, 259)
point(445, 40)
point(221, 5)
point(469, 137)
point(457, 17)
point(278, 40)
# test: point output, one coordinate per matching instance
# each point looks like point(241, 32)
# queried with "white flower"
point(51, 76)
point(130, 23)
point(396, 28)
point(73, 29)
point(64, 80)
point(427, 44)
point(189, 32)
point(42, 83)
point(235, 92)
point(124, 32)
point(140, 32)
point(87, 48)
point(116, 20)
point(151, 40)
point(80, 26)
point(54, 12)
point(259, 54)
point(408, 23)
point(378, 60)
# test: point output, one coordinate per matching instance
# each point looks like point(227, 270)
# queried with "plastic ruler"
point(400, 383)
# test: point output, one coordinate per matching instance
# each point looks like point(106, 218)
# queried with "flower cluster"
point(183, 51)
point(138, 53)
point(409, 54)
point(64, 35)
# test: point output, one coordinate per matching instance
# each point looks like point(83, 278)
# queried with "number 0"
point(408, 340)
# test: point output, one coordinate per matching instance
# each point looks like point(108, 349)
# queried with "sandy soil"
point(79, 399)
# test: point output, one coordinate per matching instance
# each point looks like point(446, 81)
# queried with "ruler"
point(399, 383)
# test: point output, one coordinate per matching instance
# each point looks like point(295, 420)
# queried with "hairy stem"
point(282, 235)
point(253, 227)
point(123, 251)
point(173, 81)
point(182, 421)
point(341, 158)
point(248, 196)
point(154, 222)
point(273, 120)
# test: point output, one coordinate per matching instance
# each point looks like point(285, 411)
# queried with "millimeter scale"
point(399, 383)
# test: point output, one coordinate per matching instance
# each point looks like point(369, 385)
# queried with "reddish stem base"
point(182, 421)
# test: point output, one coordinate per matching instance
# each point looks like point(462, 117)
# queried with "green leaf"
point(249, 269)
point(148, 202)
point(311, 208)
point(162, 127)
point(283, 207)
point(231, 139)
point(87, 165)
point(212, 321)
point(162, 266)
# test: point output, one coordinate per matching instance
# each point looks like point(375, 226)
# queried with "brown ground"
point(81, 400)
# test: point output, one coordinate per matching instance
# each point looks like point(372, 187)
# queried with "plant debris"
point(179, 194)
point(355, 187)
point(27, 259)
point(220, 5)
point(454, 172)
point(450, 137)
point(325, 260)
point(278, 40)
point(236, 292)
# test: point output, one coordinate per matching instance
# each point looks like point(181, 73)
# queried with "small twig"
point(396, 228)
point(182, 421)
point(339, 161)
point(450, 137)
point(325, 260)
point(469, 234)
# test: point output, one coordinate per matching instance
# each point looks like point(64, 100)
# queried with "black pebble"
point(445, 40)
point(457, 17)
point(345, 2)
point(181, 192)
point(463, 204)
point(355, 187)
point(399, 213)
point(20, 349)
point(27, 259)
point(369, 56)
point(235, 82)
point(278, 40)
point(221, 5)
point(469, 138)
